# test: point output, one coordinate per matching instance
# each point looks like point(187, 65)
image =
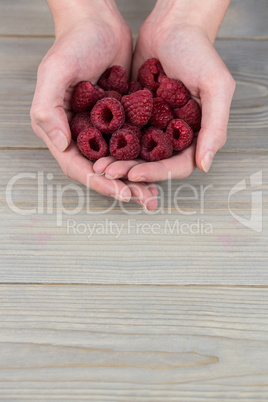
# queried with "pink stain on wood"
point(43, 238)
point(236, 224)
point(33, 221)
point(226, 240)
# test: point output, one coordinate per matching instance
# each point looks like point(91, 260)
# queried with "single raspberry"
point(138, 107)
point(133, 129)
point(107, 115)
point(161, 114)
point(113, 94)
point(191, 113)
point(173, 91)
point(92, 144)
point(85, 96)
point(180, 133)
point(150, 73)
point(114, 79)
point(155, 145)
point(80, 122)
point(134, 86)
point(124, 145)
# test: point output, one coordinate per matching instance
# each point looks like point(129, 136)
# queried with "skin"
point(186, 52)
point(91, 36)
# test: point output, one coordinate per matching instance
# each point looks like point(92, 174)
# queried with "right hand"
point(82, 51)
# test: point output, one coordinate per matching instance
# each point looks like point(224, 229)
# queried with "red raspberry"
point(180, 133)
point(124, 145)
point(191, 114)
point(85, 96)
point(134, 86)
point(173, 91)
point(162, 113)
point(80, 122)
point(155, 145)
point(138, 107)
point(107, 115)
point(113, 94)
point(133, 129)
point(150, 73)
point(114, 79)
point(92, 144)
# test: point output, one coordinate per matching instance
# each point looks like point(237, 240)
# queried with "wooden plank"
point(195, 237)
point(244, 18)
point(247, 60)
point(133, 343)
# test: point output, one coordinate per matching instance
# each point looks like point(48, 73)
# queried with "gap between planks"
point(132, 285)
point(229, 151)
point(135, 36)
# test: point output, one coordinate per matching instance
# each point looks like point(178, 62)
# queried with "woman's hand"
point(181, 33)
point(90, 37)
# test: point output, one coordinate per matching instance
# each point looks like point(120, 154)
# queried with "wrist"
point(206, 15)
point(67, 14)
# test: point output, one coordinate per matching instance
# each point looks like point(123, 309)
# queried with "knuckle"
point(45, 64)
point(39, 115)
point(221, 81)
point(229, 81)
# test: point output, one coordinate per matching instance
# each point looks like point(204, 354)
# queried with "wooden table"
point(165, 311)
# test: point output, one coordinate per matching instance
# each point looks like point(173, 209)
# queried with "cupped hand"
point(82, 52)
point(186, 53)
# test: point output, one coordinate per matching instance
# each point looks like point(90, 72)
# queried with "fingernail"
point(145, 208)
point(99, 174)
point(139, 178)
point(207, 161)
point(142, 203)
point(58, 139)
point(111, 177)
point(119, 197)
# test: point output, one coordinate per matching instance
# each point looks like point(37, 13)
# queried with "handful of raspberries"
point(150, 118)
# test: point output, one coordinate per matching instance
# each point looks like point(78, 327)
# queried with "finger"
point(119, 169)
point(47, 108)
point(78, 168)
point(142, 195)
point(153, 188)
point(177, 167)
point(216, 104)
point(101, 164)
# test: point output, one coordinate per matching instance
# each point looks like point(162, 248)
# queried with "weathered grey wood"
point(247, 60)
point(151, 249)
point(133, 343)
point(244, 18)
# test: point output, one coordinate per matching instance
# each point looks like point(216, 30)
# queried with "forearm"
point(207, 14)
point(68, 12)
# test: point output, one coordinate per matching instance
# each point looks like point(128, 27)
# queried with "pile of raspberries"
point(152, 117)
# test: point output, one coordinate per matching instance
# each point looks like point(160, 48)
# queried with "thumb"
point(216, 103)
point(49, 119)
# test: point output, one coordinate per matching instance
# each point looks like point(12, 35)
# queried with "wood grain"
point(133, 343)
point(246, 60)
point(172, 308)
point(151, 248)
point(244, 18)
